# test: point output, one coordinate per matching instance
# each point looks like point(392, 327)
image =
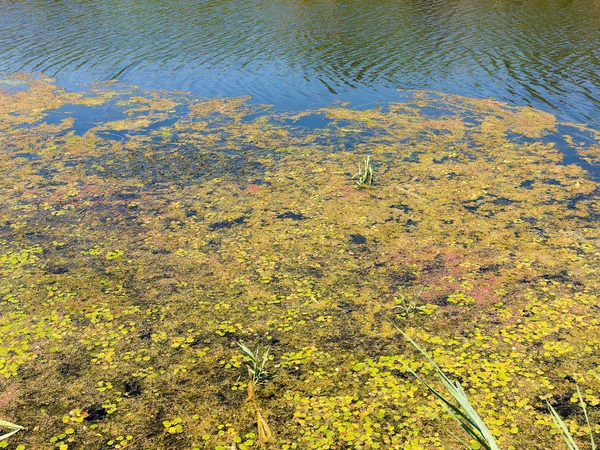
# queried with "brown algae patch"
point(132, 263)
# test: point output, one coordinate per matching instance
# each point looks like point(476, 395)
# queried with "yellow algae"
point(131, 264)
point(128, 124)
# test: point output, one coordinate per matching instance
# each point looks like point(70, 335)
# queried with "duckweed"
point(134, 256)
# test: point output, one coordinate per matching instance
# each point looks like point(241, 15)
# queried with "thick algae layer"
point(143, 234)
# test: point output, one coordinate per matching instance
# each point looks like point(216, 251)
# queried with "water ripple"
point(295, 54)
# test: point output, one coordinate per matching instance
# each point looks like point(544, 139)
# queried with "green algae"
point(131, 265)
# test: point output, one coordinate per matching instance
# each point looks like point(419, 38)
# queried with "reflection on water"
point(304, 53)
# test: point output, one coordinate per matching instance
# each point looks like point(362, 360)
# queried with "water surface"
point(300, 54)
point(143, 233)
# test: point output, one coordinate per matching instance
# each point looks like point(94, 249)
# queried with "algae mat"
point(143, 234)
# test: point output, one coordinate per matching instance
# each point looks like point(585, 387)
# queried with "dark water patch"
point(57, 270)
point(313, 272)
point(95, 413)
point(260, 182)
point(474, 205)
point(160, 251)
point(125, 135)
point(519, 138)
point(557, 139)
point(527, 184)
point(471, 156)
point(472, 122)
point(69, 369)
point(357, 239)
point(127, 195)
point(573, 202)
point(438, 132)
point(48, 174)
point(493, 268)
point(261, 118)
point(159, 124)
point(581, 137)
point(563, 405)
point(551, 182)
point(402, 207)
point(36, 236)
point(413, 157)
point(572, 157)
point(441, 160)
point(292, 215)
point(437, 112)
point(132, 388)
point(563, 277)
point(226, 224)
point(401, 277)
point(28, 156)
point(502, 201)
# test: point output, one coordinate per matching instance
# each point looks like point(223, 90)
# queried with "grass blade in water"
point(468, 418)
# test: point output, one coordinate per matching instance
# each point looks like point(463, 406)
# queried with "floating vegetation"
point(564, 429)
point(471, 422)
point(139, 241)
point(464, 413)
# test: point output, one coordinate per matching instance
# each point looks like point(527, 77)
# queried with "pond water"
point(187, 183)
point(299, 54)
point(143, 234)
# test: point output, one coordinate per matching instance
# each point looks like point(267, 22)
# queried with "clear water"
point(301, 54)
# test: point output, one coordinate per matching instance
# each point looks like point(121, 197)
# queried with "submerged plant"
point(11, 426)
point(364, 176)
point(471, 421)
point(257, 371)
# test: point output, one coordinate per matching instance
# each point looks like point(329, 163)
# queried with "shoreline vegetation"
point(192, 273)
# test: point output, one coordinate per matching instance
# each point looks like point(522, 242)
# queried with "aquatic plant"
point(11, 426)
point(564, 431)
point(257, 374)
point(406, 306)
point(264, 431)
point(471, 421)
point(364, 176)
point(464, 414)
point(498, 232)
point(257, 371)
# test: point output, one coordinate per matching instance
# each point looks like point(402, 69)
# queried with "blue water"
point(302, 54)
